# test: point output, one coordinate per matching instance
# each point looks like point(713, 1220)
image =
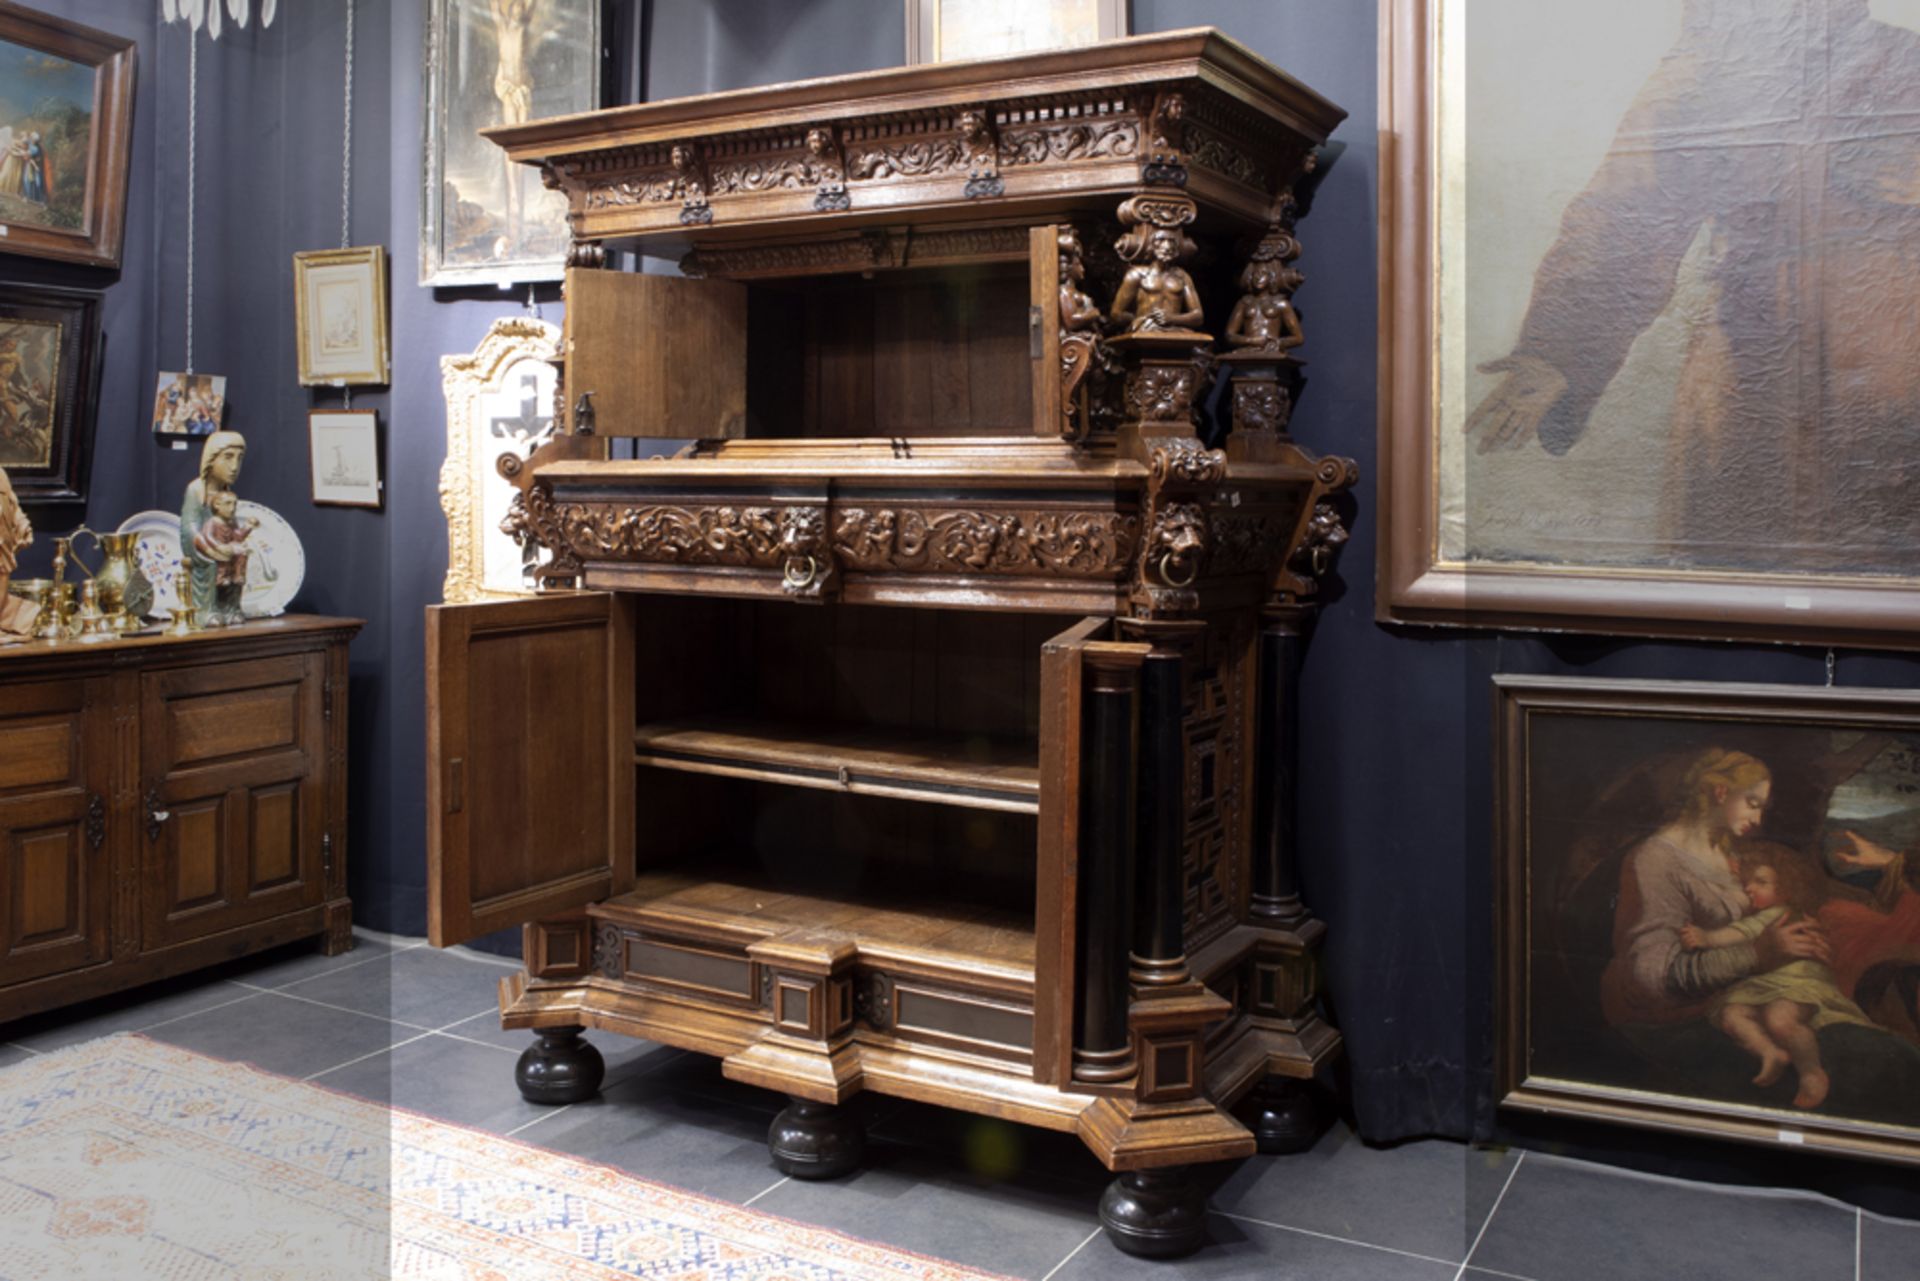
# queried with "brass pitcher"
point(125, 593)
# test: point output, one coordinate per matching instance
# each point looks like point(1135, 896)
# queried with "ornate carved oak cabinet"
point(924, 726)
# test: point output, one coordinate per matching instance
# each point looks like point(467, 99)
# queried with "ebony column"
point(1276, 876)
point(1159, 935)
point(1102, 1047)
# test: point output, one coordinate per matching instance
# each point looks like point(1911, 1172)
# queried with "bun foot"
point(1156, 1214)
point(1284, 1116)
point(559, 1067)
point(816, 1140)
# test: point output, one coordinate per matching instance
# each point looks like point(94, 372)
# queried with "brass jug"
point(125, 593)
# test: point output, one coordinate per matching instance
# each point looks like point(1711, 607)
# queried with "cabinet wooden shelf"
point(925, 725)
point(968, 770)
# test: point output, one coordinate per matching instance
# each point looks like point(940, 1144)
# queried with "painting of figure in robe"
point(46, 130)
point(1680, 286)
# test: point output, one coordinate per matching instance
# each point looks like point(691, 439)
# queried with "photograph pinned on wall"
point(66, 104)
point(1709, 908)
point(340, 310)
point(344, 448)
point(485, 219)
point(189, 404)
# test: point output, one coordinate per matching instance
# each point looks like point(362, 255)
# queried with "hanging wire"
point(193, 142)
point(346, 143)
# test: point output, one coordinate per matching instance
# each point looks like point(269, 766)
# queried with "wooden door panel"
point(530, 723)
point(657, 355)
point(55, 890)
point(232, 758)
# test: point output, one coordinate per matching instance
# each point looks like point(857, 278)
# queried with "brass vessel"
point(124, 592)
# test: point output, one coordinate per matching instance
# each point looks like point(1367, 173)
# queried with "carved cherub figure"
point(1264, 318)
point(1158, 294)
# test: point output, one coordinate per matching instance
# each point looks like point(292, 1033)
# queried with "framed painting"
point(66, 110)
point(1650, 318)
point(188, 404)
point(1708, 914)
point(499, 62)
point(343, 451)
point(499, 401)
point(49, 390)
point(949, 30)
point(340, 314)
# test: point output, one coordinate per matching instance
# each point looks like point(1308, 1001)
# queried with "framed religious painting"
point(66, 109)
point(340, 315)
point(49, 390)
point(1708, 913)
point(1650, 318)
point(499, 401)
point(949, 30)
point(485, 220)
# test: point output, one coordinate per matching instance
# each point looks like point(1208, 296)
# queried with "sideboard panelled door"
point(656, 355)
point(1043, 322)
point(56, 770)
point(530, 723)
point(231, 805)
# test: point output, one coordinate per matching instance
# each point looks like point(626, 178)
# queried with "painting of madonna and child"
point(1721, 907)
point(46, 127)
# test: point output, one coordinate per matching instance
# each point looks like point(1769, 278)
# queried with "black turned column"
point(559, 1067)
point(1159, 934)
point(1276, 876)
point(1102, 1047)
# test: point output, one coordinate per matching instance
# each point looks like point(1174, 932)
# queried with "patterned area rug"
point(130, 1159)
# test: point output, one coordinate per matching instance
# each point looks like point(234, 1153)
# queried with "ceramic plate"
point(157, 553)
point(276, 563)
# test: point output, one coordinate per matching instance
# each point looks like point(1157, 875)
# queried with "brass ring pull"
point(797, 578)
point(1168, 561)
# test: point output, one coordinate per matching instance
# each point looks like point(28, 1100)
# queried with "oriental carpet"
point(128, 1158)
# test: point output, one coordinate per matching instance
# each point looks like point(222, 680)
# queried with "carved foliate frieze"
point(1066, 544)
point(1041, 144)
point(870, 250)
point(654, 187)
point(1208, 150)
point(904, 156)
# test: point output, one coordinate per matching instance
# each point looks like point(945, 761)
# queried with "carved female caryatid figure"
point(1079, 332)
point(1158, 295)
point(16, 615)
point(1264, 318)
point(220, 460)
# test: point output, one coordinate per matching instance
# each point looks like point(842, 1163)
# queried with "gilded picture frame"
point(66, 137)
point(1748, 501)
point(499, 400)
point(1662, 849)
point(340, 316)
point(951, 30)
point(485, 221)
point(50, 368)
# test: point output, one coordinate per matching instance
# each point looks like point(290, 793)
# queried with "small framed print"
point(340, 303)
point(189, 404)
point(344, 446)
point(949, 30)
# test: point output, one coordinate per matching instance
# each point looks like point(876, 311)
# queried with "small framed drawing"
point(1708, 909)
point(340, 306)
point(189, 404)
point(344, 446)
point(947, 30)
point(66, 110)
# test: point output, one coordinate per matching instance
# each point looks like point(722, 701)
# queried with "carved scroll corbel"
point(983, 154)
point(827, 167)
point(1165, 164)
point(1320, 535)
point(533, 522)
point(690, 180)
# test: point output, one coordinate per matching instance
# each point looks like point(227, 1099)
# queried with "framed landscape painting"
point(66, 105)
point(486, 221)
point(1651, 317)
point(49, 389)
point(1708, 912)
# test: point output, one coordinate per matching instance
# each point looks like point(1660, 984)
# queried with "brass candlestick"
point(184, 622)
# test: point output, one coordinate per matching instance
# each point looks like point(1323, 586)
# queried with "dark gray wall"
point(1395, 842)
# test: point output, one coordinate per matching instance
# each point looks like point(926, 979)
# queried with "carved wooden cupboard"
point(168, 802)
point(925, 725)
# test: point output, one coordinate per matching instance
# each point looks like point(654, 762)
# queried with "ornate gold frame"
point(923, 27)
point(373, 258)
point(463, 380)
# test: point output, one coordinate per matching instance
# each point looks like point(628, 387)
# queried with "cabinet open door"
point(656, 355)
point(529, 760)
point(1073, 665)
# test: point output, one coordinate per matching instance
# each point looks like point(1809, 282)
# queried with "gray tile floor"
point(399, 1022)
